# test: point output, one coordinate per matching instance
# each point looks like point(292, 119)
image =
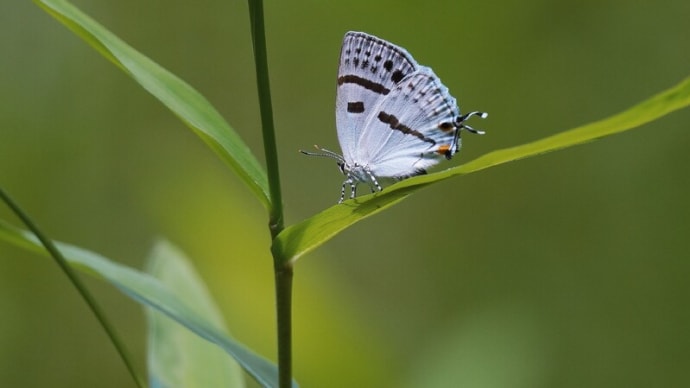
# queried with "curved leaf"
point(150, 292)
point(305, 236)
point(185, 102)
point(177, 357)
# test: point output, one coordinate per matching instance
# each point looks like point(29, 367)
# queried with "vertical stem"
point(283, 277)
point(266, 109)
point(283, 271)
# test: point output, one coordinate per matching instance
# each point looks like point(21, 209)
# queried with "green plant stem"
point(268, 131)
point(283, 270)
point(81, 288)
point(283, 279)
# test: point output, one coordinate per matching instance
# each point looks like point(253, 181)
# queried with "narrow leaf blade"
point(150, 292)
point(177, 357)
point(183, 100)
point(307, 235)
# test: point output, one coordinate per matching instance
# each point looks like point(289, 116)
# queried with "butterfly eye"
point(341, 166)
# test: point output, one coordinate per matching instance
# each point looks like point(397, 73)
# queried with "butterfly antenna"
point(324, 153)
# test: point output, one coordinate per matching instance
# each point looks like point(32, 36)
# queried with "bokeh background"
point(564, 270)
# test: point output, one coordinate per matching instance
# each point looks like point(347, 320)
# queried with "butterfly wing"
point(370, 68)
point(411, 129)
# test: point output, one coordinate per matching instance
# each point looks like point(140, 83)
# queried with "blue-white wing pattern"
point(369, 69)
point(411, 129)
point(394, 117)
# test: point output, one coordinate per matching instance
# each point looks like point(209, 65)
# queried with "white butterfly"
point(394, 117)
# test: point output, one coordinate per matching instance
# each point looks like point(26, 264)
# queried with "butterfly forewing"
point(369, 69)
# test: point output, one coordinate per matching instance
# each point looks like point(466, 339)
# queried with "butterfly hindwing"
point(412, 127)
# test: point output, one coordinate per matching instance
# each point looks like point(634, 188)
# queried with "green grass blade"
point(151, 293)
point(305, 236)
point(78, 284)
point(176, 356)
point(185, 102)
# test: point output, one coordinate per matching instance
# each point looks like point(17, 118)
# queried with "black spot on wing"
point(395, 124)
point(446, 126)
point(397, 76)
point(355, 107)
point(363, 82)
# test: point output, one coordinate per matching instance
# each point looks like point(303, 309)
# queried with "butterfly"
point(394, 117)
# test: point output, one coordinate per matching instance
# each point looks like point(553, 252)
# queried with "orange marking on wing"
point(443, 149)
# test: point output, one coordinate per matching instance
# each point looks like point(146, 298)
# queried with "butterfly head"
point(344, 168)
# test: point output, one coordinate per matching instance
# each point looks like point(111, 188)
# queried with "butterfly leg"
point(375, 182)
point(342, 191)
point(350, 182)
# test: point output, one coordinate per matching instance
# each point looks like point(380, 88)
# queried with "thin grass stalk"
point(77, 283)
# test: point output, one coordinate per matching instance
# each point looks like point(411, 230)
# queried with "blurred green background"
point(565, 270)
